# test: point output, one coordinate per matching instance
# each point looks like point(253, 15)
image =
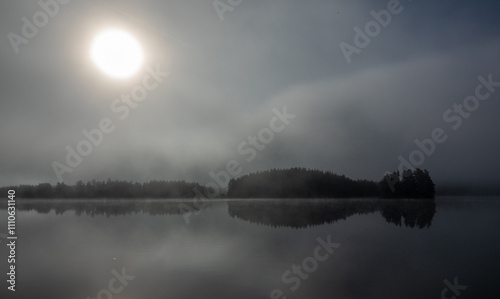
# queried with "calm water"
point(248, 249)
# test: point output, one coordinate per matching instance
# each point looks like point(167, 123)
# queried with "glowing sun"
point(116, 53)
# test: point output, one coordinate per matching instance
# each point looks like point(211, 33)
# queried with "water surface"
point(242, 249)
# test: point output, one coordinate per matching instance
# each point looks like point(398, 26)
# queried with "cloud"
point(226, 77)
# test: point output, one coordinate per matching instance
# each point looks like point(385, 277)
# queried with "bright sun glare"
point(116, 53)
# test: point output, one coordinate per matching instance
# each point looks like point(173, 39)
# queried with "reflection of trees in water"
point(108, 207)
point(304, 213)
point(296, 213)
point(414, 212)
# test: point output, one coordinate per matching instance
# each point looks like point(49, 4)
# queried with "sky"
point(319, 84)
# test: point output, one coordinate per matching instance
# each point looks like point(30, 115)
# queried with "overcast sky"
point(229, 70)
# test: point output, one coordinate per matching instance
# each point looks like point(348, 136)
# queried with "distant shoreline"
point(290, 183)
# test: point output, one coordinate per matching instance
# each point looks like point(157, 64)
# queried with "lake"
point(355, 248)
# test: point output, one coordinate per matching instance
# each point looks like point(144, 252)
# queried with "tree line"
point(412, 184)
point(299, 183)
point(306, 183)
point(274, 183)
point(108, 189)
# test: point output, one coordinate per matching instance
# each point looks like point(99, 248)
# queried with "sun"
point(116, 53)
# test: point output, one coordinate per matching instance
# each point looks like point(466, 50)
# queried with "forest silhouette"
point(275, 183)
